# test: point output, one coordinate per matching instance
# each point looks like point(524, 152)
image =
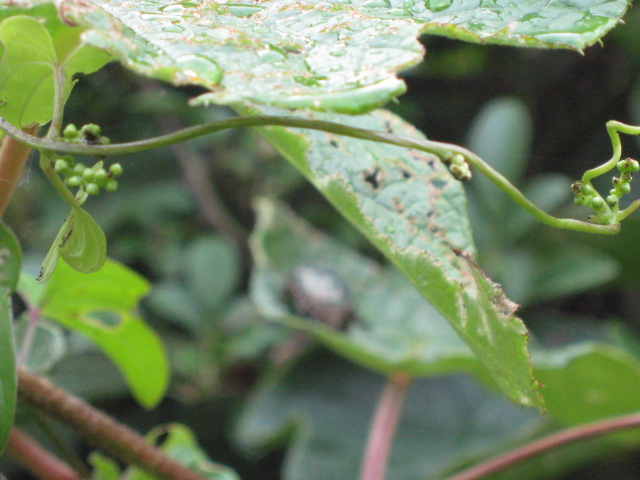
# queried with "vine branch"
point(100, 429)
point(41, 463)
point(550, 442)
point(442, 150)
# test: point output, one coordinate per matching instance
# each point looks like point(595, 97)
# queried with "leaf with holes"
point(340, 55)
point(411, 208)
point(34, 50)
point(102, 307)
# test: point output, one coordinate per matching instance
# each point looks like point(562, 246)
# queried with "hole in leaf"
point(106, 318)
point(373, 178)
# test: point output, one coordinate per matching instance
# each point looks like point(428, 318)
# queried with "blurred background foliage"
point(182, 217)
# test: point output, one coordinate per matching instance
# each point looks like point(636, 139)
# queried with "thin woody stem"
point(38, 461)
point(100, 429)
point(13, 157)
point(550, 442)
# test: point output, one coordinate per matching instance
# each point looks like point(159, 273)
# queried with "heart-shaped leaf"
point(33, 51)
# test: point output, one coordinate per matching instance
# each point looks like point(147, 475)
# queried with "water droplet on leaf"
point(437, 5)
point(197, 69)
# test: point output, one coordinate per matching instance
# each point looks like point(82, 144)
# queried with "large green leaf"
point(409, 206)
point(394, 328)
point(323, 406)
point(102, 307)
point(33, 50)
point(340, 55)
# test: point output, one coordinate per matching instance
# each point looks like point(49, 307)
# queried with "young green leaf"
point(80, 242)
point(10, 258)
point(102, 307)
point(85, 247)
point(34, 50)
point(338, 56)
point(179, 443)
point(8, 383)
point(411, 208)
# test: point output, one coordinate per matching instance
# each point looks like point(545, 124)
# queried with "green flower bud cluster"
point(622, 185)
point(89, 134)
point(459, 167)
point(607, 211)
point(90, 179)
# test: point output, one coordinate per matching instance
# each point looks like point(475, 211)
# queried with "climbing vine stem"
point(444, 151)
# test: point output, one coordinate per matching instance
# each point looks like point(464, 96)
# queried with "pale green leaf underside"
point(409, 206)
point(394, 327)
point(337, 55)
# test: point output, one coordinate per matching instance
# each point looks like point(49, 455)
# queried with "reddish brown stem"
point(383, 427)
point(97, 427)
point(550, 442)
point(13, 156)
point(41, 463)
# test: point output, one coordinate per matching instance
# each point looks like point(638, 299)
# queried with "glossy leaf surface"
point(410, 207)
point(341, 55)
point(33, 50)
point(102, 306)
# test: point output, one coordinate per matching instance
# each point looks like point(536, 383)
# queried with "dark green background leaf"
point(394, 329)
point(8, 383)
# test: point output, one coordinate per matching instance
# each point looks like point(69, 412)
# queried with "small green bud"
point(92, 189)
point(634, 166)
point(457, 159)
point(79, 168)
point(71, 132)
point(61, 166)
point(74, 181)
point(111, 186)
point(588, 190)
point(597, 203)
point(104, 140)
point(89, 175)
point(579, 200)
point(101, 177)
point(91, 133)
point(624, 188)
point(612, 200)
point(116, 170)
